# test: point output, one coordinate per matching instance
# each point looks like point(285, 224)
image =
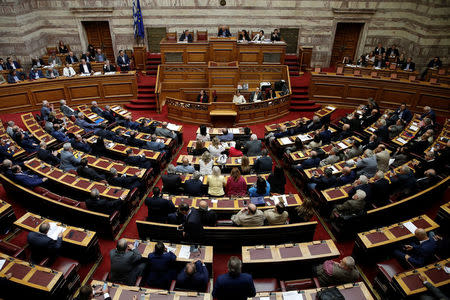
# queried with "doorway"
point(99, 35)
point(345, 41)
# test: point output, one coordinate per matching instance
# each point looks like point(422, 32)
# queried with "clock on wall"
point(223, 2)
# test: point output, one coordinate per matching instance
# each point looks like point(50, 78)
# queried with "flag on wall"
point(138, 22)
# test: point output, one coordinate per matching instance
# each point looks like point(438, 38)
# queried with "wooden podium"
point(223, 114)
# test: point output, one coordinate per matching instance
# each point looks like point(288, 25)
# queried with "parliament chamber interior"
point(253, 149)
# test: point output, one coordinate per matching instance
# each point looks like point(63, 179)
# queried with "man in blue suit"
point(348, 176)
point(35, 73)
point(123, 61)
point(192, 227)
point(89, 127)
point(137, 160)
point(12, 65)
point(428, 113)
point(402, 113)
point(46, 110)
point(323, 182)
point(161, 264)
point(15, 76)
point(234, 284)
point(311, 162)
point(59, 134)
point(158, 208)
point(418, 254)
point(26, 179)
point(41, 245)
point(193, 277)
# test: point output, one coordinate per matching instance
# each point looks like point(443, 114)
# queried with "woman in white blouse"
point(69, 71)
point(206, 164)
point(238, 98)
point(259, 36)
point(216, 148)
point(203, 135)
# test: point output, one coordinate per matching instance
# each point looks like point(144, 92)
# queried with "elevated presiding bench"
point(79, 243)
point(28, 95)
point(240, 236)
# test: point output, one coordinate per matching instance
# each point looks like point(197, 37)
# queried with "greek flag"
point(137, 17)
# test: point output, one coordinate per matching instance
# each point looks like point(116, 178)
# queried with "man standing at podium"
point(224, 32)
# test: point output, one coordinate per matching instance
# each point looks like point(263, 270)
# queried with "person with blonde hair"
point(216, 148)
point(216, 182)
point(206, 163)
point(236, 185)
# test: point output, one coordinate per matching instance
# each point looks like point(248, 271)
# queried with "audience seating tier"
point(7, 216)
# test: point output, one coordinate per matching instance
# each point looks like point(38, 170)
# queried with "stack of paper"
point(97, 73)
point(185, 252)
point(277, 199)
point(401, 141)
point(115, 107)
point(331, 107)
point(2, 262)
point(286, 140)
point(292, 295)
point(173, 127)
point(234, 130)
point(110, 73)
point(54, 230)
point(391, 160)
point(334, 169)
point(413, 128)
point(410, 226)
point(342, 145)
point(171, 248)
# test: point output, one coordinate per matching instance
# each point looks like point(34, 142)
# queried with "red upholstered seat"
point(53, 196)
point(40, 190)
point(69, 201)
point(299, 284)
point(12, 250)
point(65, 266)
point(266, 285)
point(389, 268)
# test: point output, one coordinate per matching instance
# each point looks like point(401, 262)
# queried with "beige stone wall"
point(420, 28)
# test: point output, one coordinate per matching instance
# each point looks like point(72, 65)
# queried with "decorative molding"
point(354, 11)
point(89, 11)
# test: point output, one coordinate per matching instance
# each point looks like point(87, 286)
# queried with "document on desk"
point(401, 141)
point(55, 230)
point(331, 107)
point(292, 295)
point(286, 140)
point(171, 248)
point(234, 130)
point(2, 262)
point(185, 252)
point(410, 226)
point(342, 145)
point(304, 137)
point(173, 127)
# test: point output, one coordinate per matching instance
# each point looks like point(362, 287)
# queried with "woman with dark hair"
point(91, 51)
point(203, 135)
point(305, 211)
point(161, 265)
point(236, 185)
point(62, 48)
point(199, 148)
point(362, 61)
point(244, 36)
point(245, 166)
point(277, 180)
point(261, 189)
point(236, 151)
point(99, 147)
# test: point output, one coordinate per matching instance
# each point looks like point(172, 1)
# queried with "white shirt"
point(215, 152)
point(258, 37)
point(69, 72)
point(255, 97)
point(206, 169)
point(239, 99)
point(85, 69)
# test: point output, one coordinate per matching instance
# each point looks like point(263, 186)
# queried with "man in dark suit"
point(313, 124)
point(88, 57)
point(429, 162)
point(345, 133)
point(25, 179)
point(234, 284)
point(393, 51)
point(429, 179)
point(70, 59)
point(35, 73)
point(255, 96)
point(312, 162)
point(408, 65)
point(379, 49)
point(418, 254)
point(224, 32)
point(322, 182)
point(379, 189)
point(14, 76)
point(95, 203)
point(126, 265)
point(47, 155)
point(41, 246)
point(362, 183)
point(12, 65)
point(192, 227)
point(158, 208)
point(193, 277)
point(193, 186)
point(178, 217)
point(402, 113)
point(202, 97)
point(382, 131)
point(85, 171)
point(186, 36)
point(347, 176)
point(123, 61)
point(380, 61)
point(264, 163)
point(87, 293)
point(428, 113)
point(96, 109)
point(80, 144)
point(108, 67)
point(85, 67)
point(129, 182)
point(207, 216)
point(161, 264)
point(404, 182)
point(137, 160)
point(171, 181)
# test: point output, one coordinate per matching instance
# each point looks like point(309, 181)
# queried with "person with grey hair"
point(185, 167)
point(47, 156)
point(5, 168)
point(335, 273)
point(126, 265)
point(428, 113)
point(95, 203)
point(322, 182)
point(362, 183)
point(404, 183)
point(155, 145)
point(193, 186)
point(96, 109)
point(379, 189)
point(216, 183)
point(125, 181)
point(46, 110)
point(282, 132)
point(253, 147)
point(249, 216)
point(383, 157)
point(68, 160)
point(382, 130)
point(234, 284)
point(165, 132)
point(88, 127)
point(332, 157)
point(314, 124)
point(355, 205)
point(171, 181)
point(367, 165)
point(66, 110)
point(9, 128)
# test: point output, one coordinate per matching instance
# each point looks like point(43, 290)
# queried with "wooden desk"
point(249, 179)
point(174, 127)
point(28, 280)
point(74, 182)
point(386, 72)
point(350, 90)
point(304, 137)
point(12, 143)
point(440, 141)
point(386, 237)
point(350, 291)
point(125, 292)
point(408, 133)
point(231, 161)
point(36, 130)
point(7, 216)
point(69, 124)
point(288, 124)
point(77, 242)
point(145, 136)
point(120, 111)
point(191, 145)
point(28, 95)
point(92, 117)
point(205, 253)
point(409, 283)
point(222, 117)
point(215, 131)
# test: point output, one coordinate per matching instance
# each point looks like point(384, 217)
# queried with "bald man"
point(249, 216)
point(126, 265)
point(193, 277)
point(207, 216)
point(418, 254)
point(41, 245)
point(335, 273)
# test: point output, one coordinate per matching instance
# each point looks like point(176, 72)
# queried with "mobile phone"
point(136, 243)
point(105, 286)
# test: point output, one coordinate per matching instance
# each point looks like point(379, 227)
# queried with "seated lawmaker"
point(322, 182)
point(154, 144)
point(234, 284)
point(408, 65)
point(80, 144)
point(428, 113)
point(202, 97)
point(25, 179)
point(65, 109)
point(238, 98)
point(26, 142)
point(249, 216)
point(186, 37)
point(236, 185)
point(226, 135)
point(126, 264)
point(216, 183)
point(35, 73)
point(123, 61)
point(335, 273)
point(88, 293)
point(46, 110)
point(139, 161)
point(277, 215)
point(42, 246)
point(275, 35)
point(260, 189)
point(51, 73)
point(259, 36)
point(71, 58)
point(12, 64)
point(158, 207)
point(194, 276)
point(104, 206)
point(59, 134)
point(355, 205)
point(47, 156)
point(256, 96)
point(368, 165)
point(124, 181)
point(312, 162)
point(68, 160)
point(171, 181)
point(107, 67)
point(264, 163)
point(15, 77)
point(85, 67)
point(193, 186)
point(85, 171)
point(429, 179)
point(99, 56)
point(89, 127)
point(68, 71)
point(185, 167)
point(244, 36)
point(418, 254)
point(165, 132)
point(161, 263)
point(224, 32)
